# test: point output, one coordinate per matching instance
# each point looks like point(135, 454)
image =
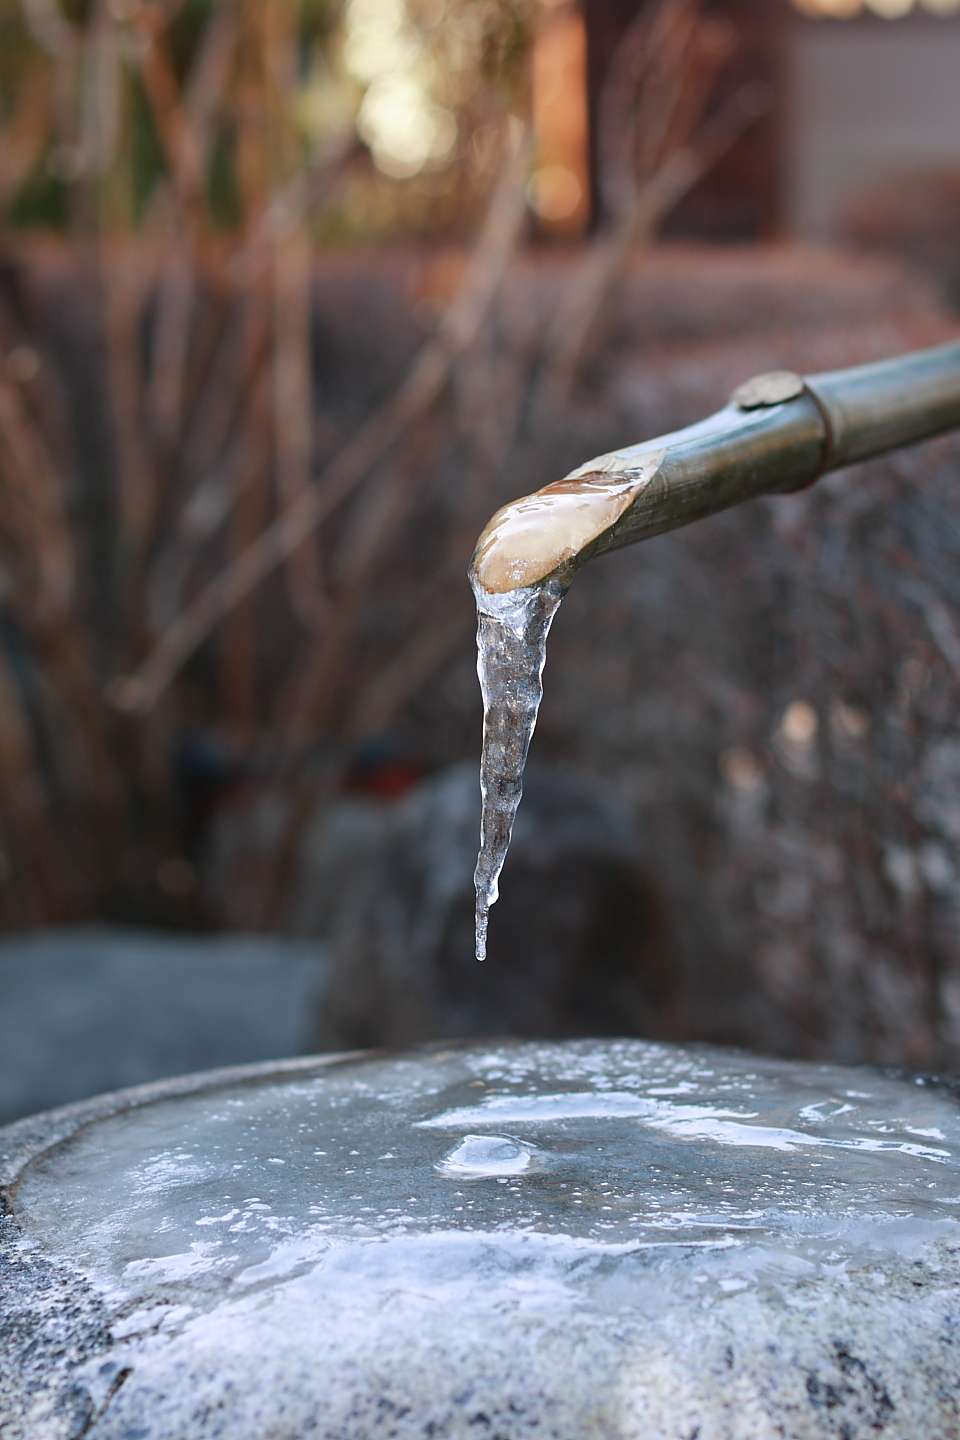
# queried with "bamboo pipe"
point(778, 433)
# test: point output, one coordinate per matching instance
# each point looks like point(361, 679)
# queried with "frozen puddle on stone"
point(478, 1157)
point(685, 1122)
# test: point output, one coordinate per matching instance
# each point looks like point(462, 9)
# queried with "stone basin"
point(574, 1240)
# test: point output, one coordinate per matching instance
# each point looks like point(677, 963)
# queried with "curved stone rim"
point(26, 1140)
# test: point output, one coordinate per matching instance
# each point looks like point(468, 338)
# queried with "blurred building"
point(864, 133)
point(871, 102)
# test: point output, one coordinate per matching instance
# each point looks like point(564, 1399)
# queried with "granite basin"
point(574, 1239)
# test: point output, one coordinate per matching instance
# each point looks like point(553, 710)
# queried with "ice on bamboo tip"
point(541, 533)
point(519, 575)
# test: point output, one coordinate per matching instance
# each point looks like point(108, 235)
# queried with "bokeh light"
point(885, 9)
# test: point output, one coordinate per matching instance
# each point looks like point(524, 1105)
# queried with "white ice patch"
point(480, 1156)
point(685, 1122)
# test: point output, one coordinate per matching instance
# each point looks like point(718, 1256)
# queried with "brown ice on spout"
point(520, 572)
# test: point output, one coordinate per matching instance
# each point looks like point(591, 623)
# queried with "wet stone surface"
point(574, 1240)
point(92, 1008)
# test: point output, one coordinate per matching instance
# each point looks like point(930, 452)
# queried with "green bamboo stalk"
point(778, 433)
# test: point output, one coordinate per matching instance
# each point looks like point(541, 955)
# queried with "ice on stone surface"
point(538, 1221)
point(191, 1187)
point(479, 1156)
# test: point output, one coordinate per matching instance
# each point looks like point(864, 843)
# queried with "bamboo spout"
point(779, 433)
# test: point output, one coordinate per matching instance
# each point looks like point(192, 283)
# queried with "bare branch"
point(430, 371)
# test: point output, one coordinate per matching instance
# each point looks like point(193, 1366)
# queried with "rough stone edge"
point(25, 1140)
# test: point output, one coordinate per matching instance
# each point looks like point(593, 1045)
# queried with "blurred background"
point(293, 295)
